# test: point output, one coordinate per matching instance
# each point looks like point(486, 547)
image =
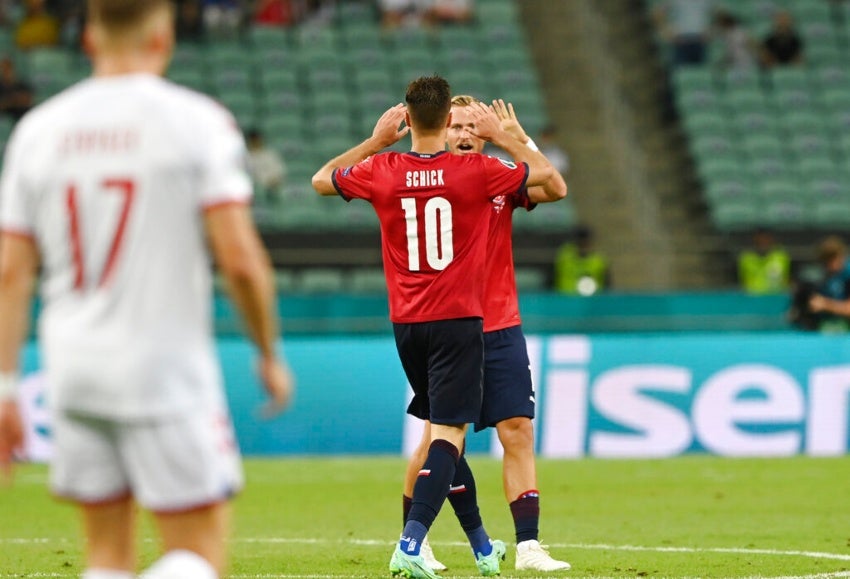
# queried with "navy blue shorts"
point(508, 392)
point(444, 363)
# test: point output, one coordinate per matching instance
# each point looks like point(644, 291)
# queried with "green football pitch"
point(333, 518)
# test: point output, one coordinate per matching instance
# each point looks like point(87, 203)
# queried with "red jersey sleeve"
point(505, 177)
point(521, 199)
point(354, 182)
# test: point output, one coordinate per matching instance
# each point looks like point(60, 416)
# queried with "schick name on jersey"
point(432, 178)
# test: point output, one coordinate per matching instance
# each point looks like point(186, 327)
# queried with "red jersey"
point(501, 306)
point(435, 217)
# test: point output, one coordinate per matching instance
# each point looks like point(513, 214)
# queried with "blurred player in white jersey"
point(120, 189)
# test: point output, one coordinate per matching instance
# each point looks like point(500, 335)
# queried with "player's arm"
point(18, 273)
point(249, 280)
point(819, 303)
point(552, 190)
point(489, 128)
point(385, 134)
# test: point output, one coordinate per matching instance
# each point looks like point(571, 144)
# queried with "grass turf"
point(686, 517)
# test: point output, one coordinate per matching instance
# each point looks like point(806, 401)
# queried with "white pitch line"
point(388, 543)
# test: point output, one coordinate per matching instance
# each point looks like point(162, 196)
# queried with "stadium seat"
point(788, 214)
point(704, 146)
point(737, 215)
point(368, 280)
point(693, 78)
point(320, 280)
point(784, 78)
point(530, 279)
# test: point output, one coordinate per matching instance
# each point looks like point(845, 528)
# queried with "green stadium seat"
point(284, 281)
point(802, 121)
point(788, 214)
point(739, 215)
point(373, 79)
point(832, 213)
point(809, 168)
point(530, 279)
point(357, 215)
point(763, 145)
point(268, 58)
point(694, 101)
point(368, 280)
point(262, 37)
point(741, 80)
point(728, 188)
point(704, 123)
point(467, 37)
point(831, 76)
point(704, 146)
point(769, 167)
point(793, 98)
point(718, 167)
point(826, 187)
point(496, 11)
point(557, 218)
point(194, 79)
point(836, 99)
point(326, 79)
point(784, 78)
point(355, 13)
point(778, 190)
point(752, 121)
point(745, 99)
point(320, 280)
point(693, 78)
point(808, 144)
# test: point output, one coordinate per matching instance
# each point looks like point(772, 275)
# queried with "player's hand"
point(510, 123)
point(279, 383)
point(818, 303)
point(387, 131)
point(11, 437)
point(487, 124)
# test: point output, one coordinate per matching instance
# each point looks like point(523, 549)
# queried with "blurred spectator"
point(16, 95)
point(222, 18)
point(71, 26)
point(831, 299)
point(38, 28)
point(273, 13)
point(396, 13)
point(548, 145)
point(739, 49)
point(451, 11)
point(190, 22)
point(265, 165)
point(686, 25)
point(766, 267)
point(579, 268)
point(783, 45)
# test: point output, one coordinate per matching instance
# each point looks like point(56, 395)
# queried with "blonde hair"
point(831, 248)
point(464, 100)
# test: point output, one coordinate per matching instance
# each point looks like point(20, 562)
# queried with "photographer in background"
point(831, 296)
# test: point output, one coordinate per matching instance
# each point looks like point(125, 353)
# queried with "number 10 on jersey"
point(439, 250)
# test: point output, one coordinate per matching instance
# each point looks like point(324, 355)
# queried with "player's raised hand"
point(387, 130)
point(510, 123)
point(487, 124)
point(11, 437)
point(279, 383)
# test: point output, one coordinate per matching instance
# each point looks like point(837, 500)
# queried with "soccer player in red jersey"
point(508, 402)
point(434, 209)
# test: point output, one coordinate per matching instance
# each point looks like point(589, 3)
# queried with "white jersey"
point(111, 179)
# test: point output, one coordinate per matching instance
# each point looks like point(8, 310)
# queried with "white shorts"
point(171, 465)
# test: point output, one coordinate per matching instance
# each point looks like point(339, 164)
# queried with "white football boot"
point(428, 554)
point(534, 556)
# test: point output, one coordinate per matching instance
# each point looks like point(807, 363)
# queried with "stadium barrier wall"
point(607, 396)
